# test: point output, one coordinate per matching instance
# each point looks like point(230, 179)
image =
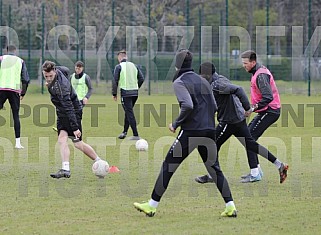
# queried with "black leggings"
point(128, 104)
point(258, 125)
point(241, 132)
point(14, 100)
point(184, 144)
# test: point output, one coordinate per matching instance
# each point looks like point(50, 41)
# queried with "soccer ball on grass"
point(141, 145)
point(100, 168)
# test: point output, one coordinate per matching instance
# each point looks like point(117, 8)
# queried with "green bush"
point(163, 70)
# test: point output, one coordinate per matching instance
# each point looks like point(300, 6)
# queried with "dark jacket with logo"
point(64, 97)
point(196, 101)
point(231, 100)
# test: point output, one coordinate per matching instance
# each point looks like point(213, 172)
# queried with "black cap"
point(183, 59)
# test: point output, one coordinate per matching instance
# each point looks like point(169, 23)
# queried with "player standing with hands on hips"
point(69, 115)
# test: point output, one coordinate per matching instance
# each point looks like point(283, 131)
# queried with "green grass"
point(161, 87)
point(33, 203)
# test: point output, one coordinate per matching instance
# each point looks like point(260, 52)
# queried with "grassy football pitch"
point(33, 203)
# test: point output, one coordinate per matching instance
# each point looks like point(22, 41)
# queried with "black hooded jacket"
point(231, 100)
point(64, 97)
point(196, 101)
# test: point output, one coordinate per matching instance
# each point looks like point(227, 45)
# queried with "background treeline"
point(32, 20)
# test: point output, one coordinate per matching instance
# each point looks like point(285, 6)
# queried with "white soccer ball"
point(100, 168)
point(141, 145)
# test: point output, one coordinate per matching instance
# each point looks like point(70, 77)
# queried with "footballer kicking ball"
point(141, 145)
point(100, 168)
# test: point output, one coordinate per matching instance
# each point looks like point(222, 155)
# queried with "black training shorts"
point(63, 123)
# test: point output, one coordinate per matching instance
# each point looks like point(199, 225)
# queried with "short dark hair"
point(122, 52)
point(79, 64)
point(48, 66)
point(11, 48)
point(251, 55)
point(206, 70)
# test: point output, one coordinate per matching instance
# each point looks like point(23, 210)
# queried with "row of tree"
point(28, 18)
